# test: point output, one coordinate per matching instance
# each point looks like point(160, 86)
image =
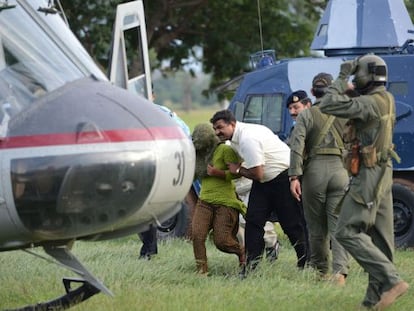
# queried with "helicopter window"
point(266, 110)
point(32, 61)
point(135, 63)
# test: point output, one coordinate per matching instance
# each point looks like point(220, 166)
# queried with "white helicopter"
point(80, 158)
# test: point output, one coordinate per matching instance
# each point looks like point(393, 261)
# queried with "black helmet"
point(320, 84)
point(369, 68)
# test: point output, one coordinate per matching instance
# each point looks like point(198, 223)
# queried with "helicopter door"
point(129, 64)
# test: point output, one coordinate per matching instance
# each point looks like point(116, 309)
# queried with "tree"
point(410, 7)
point(226, 31)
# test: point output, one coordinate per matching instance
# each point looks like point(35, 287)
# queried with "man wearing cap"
point(295, 103)
point(318, 178)
point(266, 163)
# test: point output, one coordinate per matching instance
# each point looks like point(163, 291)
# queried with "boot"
point(388, 297)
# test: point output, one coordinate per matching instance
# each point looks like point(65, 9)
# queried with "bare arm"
point(255, 173)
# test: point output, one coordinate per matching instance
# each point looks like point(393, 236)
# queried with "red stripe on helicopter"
point(124, 135)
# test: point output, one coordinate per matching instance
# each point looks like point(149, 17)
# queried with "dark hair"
point(226, 115)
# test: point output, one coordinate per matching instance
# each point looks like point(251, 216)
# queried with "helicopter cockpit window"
point(32, 63)
point(266, 110)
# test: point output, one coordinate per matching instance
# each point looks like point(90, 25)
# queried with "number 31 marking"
point(179, 156)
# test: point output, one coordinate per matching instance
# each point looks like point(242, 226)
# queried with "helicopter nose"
point(86, 158)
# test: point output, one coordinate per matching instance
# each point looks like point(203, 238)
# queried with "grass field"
point(194, 117)
point(169, 282)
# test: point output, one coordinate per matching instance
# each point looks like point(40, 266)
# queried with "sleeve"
point(297, 140)
point(337, 103)
point(230, 156)
point(252, 151)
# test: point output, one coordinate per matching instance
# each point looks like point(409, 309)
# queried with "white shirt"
point(258, 145)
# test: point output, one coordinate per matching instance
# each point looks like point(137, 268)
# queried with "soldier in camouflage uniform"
point(365, 223)
point(318, 178)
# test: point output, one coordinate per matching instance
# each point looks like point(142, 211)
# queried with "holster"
point(369, 156)
point(352, 159)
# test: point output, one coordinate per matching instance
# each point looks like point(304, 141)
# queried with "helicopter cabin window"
point(32, 62)
point(264, 109)
point(135, 61)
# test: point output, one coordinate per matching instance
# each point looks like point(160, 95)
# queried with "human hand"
point(233, 167)
point(211, 170)
point(348, 68)
point(295, 189)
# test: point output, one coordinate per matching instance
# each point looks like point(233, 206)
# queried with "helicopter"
point(81, 158)
point(346, 30)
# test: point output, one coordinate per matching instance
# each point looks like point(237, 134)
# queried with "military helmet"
point(369, 68)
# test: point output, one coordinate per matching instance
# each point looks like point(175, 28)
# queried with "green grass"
point(169, 282)
point(194, 117)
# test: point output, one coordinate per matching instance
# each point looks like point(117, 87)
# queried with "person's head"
point(204, 138)
point(320, 84)
point(296, 102)
point(370, 72)
point(224, 123)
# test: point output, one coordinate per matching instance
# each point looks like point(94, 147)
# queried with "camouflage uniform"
point(365, 224)
point(317, 157)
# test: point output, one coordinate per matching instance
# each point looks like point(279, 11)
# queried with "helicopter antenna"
point(260, 24)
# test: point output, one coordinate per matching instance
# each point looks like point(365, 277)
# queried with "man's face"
point(296, 108)
point(223, 130)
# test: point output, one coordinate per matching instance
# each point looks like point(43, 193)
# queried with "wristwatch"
point(292, 178)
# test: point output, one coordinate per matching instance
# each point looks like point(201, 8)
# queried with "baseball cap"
point(322, 80)
point(296, 96)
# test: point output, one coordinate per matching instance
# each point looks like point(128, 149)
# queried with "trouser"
point(225, 223)
point(323, 186)
point(306, 229)
point(270, 235)
point(275, 196)
point(366, 230)
point(149, 241)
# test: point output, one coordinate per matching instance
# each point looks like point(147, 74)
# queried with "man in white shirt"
point(265, 160)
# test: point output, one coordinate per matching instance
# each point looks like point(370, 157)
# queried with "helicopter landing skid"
point(70, 299)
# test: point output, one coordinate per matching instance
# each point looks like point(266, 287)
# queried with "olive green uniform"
point(365, 223)
point(316, 156)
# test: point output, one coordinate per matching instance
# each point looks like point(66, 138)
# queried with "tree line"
point(226, 32)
